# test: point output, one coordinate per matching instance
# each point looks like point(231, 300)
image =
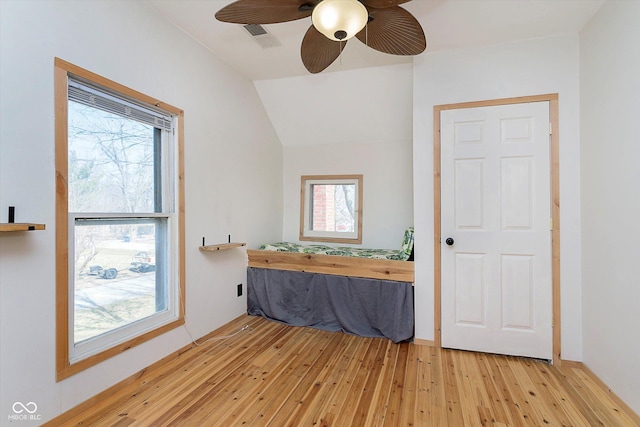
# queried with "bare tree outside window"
point(111, 170)
point(345, 207)
point(111, 162)
point(120, 277)
point(331, 208)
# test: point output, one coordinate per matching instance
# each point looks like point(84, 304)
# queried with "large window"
point(119, 230)
point(331, 208)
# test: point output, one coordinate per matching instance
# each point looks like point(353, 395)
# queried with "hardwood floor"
point(275, 375)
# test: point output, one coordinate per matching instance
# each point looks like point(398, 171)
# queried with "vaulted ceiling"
point(448, 24)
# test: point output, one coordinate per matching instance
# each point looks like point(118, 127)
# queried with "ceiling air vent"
point(262, 36)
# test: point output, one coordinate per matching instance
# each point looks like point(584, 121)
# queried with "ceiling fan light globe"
point(334, 18)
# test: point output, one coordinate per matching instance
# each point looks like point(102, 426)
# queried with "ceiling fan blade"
point(381, 4)
point(265, 11)
point(317, 51)
point(393, 30)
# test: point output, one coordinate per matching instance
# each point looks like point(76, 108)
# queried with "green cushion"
point(402, 255)
point(407, 243)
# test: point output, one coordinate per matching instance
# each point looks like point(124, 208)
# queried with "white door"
point(496, 210)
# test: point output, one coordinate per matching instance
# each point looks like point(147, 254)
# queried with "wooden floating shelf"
point(20, 226)
point(221, 247)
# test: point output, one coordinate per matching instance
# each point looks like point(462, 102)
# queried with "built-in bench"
point(367, 292)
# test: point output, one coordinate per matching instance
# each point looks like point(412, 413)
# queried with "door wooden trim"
point(555, 208)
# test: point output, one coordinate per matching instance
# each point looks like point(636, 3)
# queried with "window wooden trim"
point(303, 180)
point(64, 368)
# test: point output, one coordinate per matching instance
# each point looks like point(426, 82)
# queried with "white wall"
point(540, 66)
point(352, 122)
point(368, 105)
point(609, 112)
point(387, 190)
point(233, 180)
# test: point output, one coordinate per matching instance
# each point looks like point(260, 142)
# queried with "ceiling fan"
point(381, 24)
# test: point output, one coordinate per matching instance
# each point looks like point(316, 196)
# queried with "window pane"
point(333, 207)
point(115, 274)
point(111, 162)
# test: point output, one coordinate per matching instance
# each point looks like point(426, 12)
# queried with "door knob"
point(449, 241)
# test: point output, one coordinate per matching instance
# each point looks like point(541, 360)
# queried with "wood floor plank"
point(499, 398)
point(452, 389)
point(329, 416)
point(380, 369)
point(608, 408)
point(472, 405)
point(561, 397)
point(199, 381)
point(397, 395)
point(141, 390)
point(354, 397)
point(306, 388)
point(522, 409)
point(438, 402)
point(554, 395)
point(276, 375)
point(423, 407)
point(268, 401)
point(601, 405)
point(513, 396)
point(577, 398)
point(270, 372)
point(330, 386)
point(273, 386)
point(410, 389)
point(537, 397)
point(313, 387)
point(226, 383)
